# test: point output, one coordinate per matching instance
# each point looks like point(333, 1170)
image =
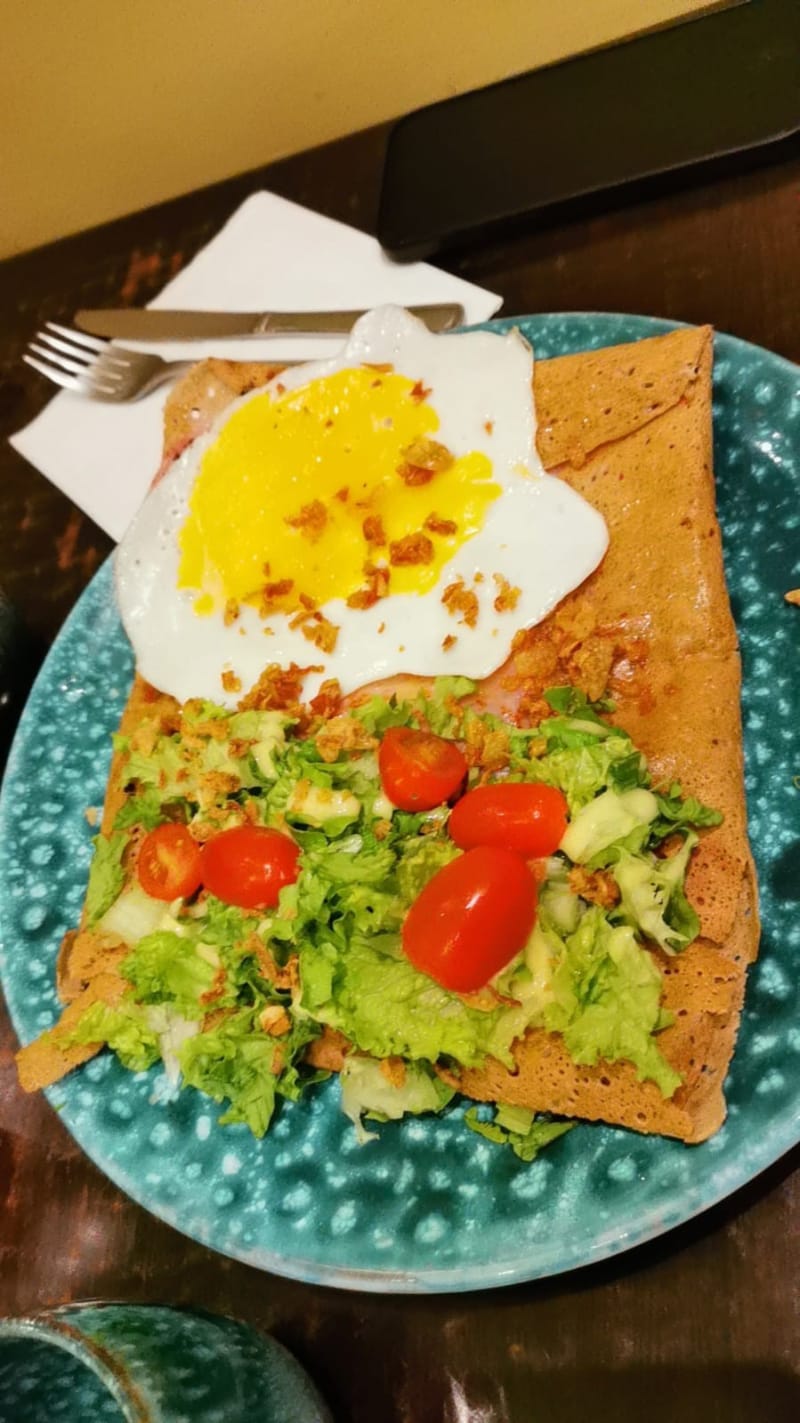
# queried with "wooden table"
point(702, 1324)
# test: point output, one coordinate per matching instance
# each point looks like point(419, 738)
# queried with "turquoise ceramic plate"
point(430, 1206)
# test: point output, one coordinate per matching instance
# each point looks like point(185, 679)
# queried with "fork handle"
point(167, 370)
point(171, 370)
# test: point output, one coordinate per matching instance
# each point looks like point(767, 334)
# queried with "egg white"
point(539, 534)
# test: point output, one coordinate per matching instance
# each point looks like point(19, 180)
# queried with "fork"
point(94, 368)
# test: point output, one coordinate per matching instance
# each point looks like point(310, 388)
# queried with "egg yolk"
point(307, 487)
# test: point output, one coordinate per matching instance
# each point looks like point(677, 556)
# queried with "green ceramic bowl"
point(119, 1363)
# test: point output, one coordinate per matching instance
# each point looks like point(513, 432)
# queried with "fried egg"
point(380, 512)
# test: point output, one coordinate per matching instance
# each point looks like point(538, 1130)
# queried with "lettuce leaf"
point(166, 968)
point(584, 754)
point(159, 768)
point(526, 1133)
point(389, 1009)
point(676, 812)
point(609, 820)
point(366, 1091)
point(106, 875)
point(145, 809)
point(585, 770)
point(419, 861)
point(379, 713)
point(354, 860)
point(223, 925)
point(453, 688)
point(577, 721)
point(628, 772)
point(199, 710)
point(653, 899)
point(571, 701)
point(233, 1063)
point(124, 1029)
point(237, 1063)
point(606, 1000)
point(438, 708)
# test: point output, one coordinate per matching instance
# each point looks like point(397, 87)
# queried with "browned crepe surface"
point(629, 427)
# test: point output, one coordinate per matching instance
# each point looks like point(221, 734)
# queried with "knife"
point(135, 324)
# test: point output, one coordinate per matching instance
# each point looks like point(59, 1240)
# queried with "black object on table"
point(545, 143)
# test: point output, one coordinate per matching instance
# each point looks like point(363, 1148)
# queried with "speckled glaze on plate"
point(430, 1206)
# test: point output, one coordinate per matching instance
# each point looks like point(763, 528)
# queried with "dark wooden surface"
point(702, 1324)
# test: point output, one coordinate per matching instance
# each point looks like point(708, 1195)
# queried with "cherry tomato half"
point(530, 819)
point(248, 865)
point(170, 863)
point(471, 918)
point(419, 770)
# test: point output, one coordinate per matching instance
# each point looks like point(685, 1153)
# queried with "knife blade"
point(135, 324)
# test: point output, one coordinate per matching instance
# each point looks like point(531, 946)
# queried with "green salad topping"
point(229, 1000)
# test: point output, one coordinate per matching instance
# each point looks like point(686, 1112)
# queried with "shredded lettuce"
point(176, 766)
point(583, 974)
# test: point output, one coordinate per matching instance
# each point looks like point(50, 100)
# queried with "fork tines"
point(72, 360)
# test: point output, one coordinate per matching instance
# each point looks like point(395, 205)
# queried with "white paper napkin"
point(271, 254)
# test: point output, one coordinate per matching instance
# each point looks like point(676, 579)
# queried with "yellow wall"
point(109, 105)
